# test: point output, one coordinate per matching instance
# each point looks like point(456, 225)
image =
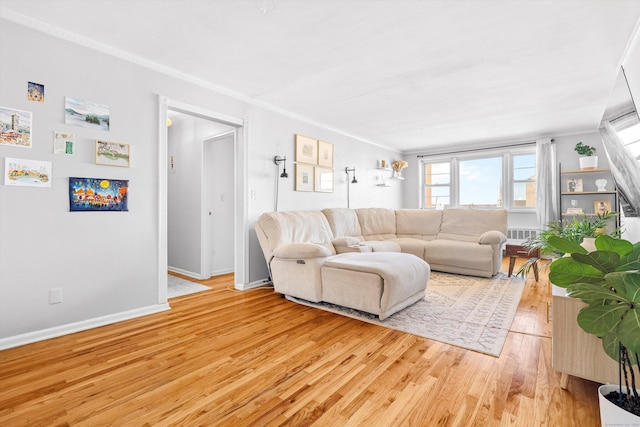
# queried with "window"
point(437, 178)
point(631, 139)
point(477, 180)
point(524, 181)
point(481, 182)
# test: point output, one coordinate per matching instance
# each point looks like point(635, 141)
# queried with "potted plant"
point(577, 230)
point(607, 280)
point(588, 159)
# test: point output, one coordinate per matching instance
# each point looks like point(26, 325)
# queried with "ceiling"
point(410, 75)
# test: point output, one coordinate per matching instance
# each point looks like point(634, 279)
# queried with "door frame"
point(241, 222)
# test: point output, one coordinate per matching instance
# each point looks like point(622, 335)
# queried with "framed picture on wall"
point(304, 177)
point(325, 154)
point(323, 179)
point(306, 150)
point(113, 154)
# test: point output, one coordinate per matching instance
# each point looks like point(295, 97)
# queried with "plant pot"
point(589, 243)
point(588, 162)
point(610, 413)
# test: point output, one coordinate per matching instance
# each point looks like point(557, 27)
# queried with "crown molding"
point(63, 34)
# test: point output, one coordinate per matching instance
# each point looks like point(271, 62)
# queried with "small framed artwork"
point(304, 177)
point(323, 179)
point(325, 154)
point(112, 154)
point(35, 92)
point(306, 150)
point(63, 143)
point(98, 194)
point(574, 185)
point(601, 206)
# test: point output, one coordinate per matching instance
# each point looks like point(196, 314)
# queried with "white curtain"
point(624, 167)
point(546, 182)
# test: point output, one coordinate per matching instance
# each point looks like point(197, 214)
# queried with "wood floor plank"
point(227, 358)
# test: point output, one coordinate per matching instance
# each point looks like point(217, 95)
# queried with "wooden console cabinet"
point(574, 352)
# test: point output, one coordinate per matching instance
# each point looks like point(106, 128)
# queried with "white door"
point(219, 204)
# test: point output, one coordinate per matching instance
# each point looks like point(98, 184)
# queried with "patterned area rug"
point(178, 287)
point(469, 312)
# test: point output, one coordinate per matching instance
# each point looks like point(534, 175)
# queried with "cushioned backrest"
point(418, 223)
point(343, 222)
point(280, 228)
point(377, 223)
point(469, 224)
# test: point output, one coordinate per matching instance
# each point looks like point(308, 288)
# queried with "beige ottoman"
point(380, 283)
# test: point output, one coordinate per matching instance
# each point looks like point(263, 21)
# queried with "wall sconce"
point(353, 181)
point(277, 160)
point(284, 174)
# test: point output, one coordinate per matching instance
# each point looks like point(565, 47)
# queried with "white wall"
point(107, 262)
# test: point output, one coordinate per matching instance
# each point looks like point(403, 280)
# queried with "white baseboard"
point(45, 334)
point(187, 273)
point(257, 283)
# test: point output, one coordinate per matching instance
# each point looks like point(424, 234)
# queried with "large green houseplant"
point(607, 280)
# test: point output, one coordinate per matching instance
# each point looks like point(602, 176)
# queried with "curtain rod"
point(479, 149)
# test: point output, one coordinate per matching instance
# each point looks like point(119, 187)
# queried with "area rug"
point(469, 312)
point(178, 287)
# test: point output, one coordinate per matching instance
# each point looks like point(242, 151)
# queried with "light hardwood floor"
point(229, 358)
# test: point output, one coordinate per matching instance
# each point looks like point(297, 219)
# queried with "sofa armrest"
point(492, 237)
point(301, 250)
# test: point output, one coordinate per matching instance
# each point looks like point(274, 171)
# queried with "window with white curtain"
point(476, 179)
point(630, 137)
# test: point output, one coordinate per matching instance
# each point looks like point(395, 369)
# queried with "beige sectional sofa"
point(376, 260)
point(461, 241)
point(303, 263)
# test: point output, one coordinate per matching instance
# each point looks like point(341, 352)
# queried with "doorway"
point(171, 165)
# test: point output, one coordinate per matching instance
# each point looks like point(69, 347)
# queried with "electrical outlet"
point(55, 296)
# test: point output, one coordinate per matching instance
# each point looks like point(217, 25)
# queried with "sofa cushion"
point(377, 223)
point(469, 224)
point(283, 228)
point(458, 256)
point(410, 245)
point(343, 222)
point(418, 223)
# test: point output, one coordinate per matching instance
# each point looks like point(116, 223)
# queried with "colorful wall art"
point(15, 127)
point(87, 114)
point(98, 194)
point(27, 173)
point(35, 92)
